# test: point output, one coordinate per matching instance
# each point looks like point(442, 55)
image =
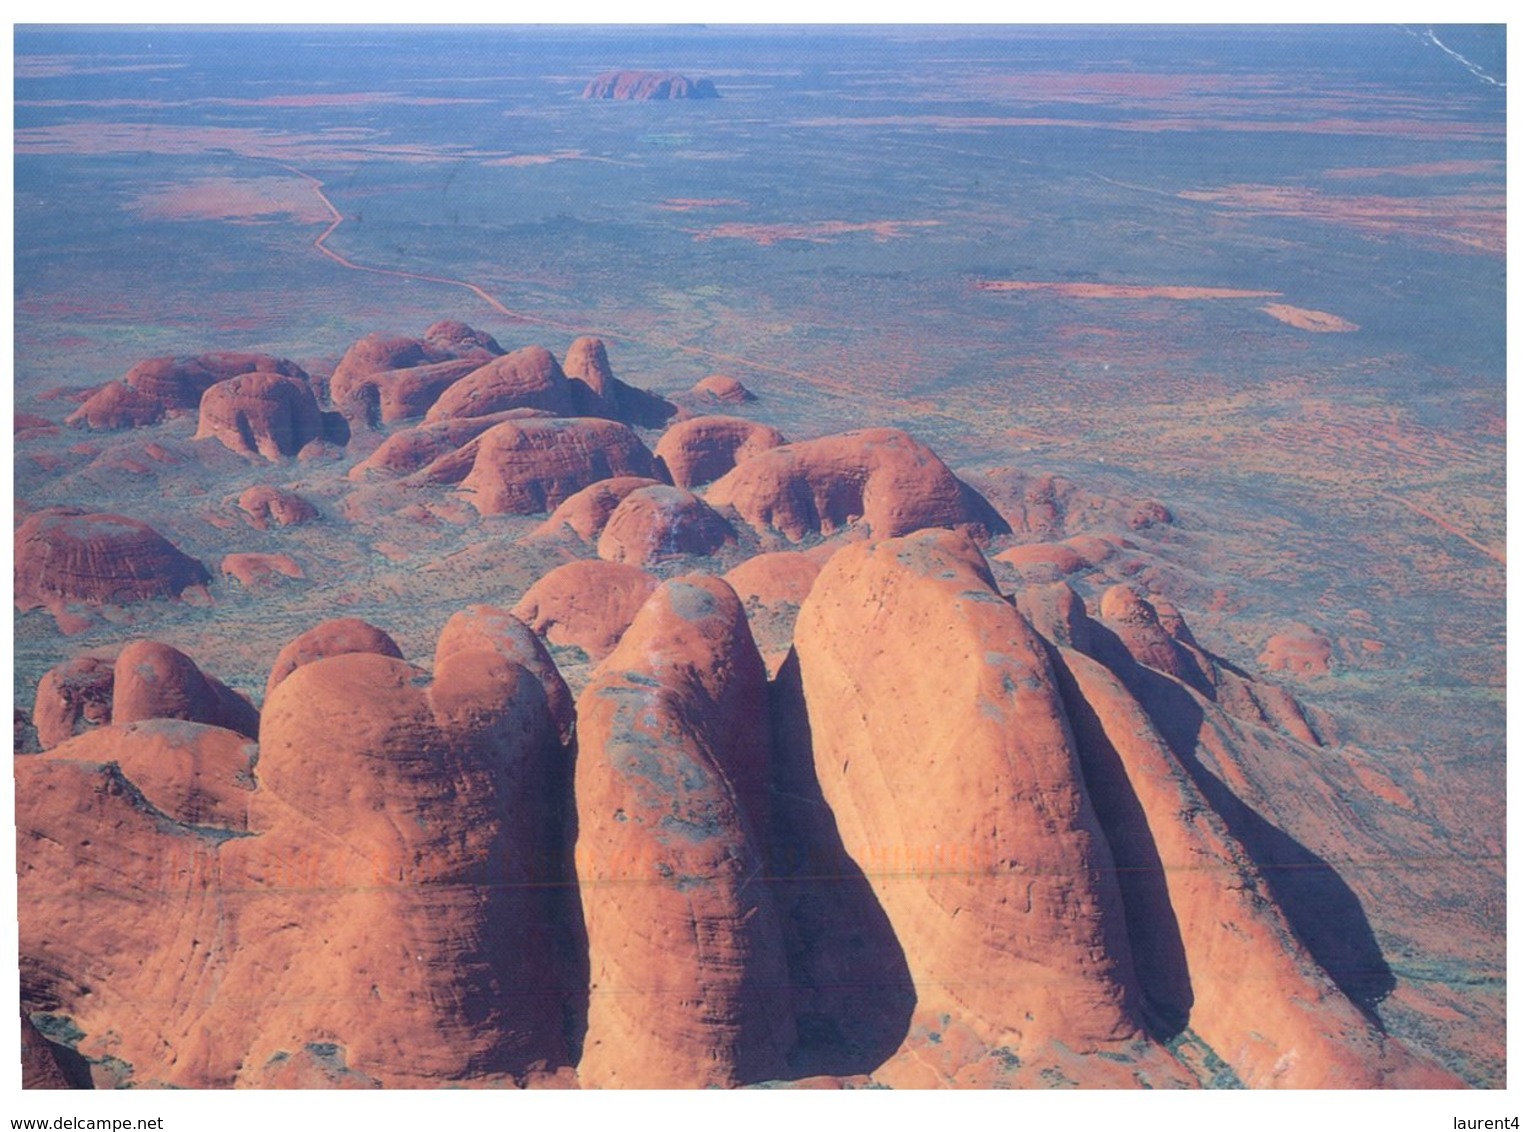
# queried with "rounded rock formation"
point(151, 680)
point(529, 378)
point(1299, 650)
point(523, 467)
point(703, 449)
point(330, 638)
point(179, 383)
point(385, 378)
point(410, 884)
point(376, 353)
point(953, 777)
point(587, 605)
point(72, 698)
point(1204, 924)
point(459, 339)
point(411, 449)
point(785, 577)
point(586, 512)
point(64, 554)
point(261, 414)
point(1056, 556)
point(659, 524)
point(430, 954)
point(720, 387)
point(586, 362)
point(687, 962)
point(117, 406)
point(647, 85)
point(773, 588)
point(157, 387)
point(1134, 621)
point(880, 477)
point(266, 506)
point(259, 569)
point(488, 628)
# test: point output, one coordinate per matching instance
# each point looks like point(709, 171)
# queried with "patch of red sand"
point(820, 231)
point(1123, 290)
point(1316, 322)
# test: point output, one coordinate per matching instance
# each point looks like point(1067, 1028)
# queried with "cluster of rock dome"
point(951, 811)
point(514, 433)
point(926, 831)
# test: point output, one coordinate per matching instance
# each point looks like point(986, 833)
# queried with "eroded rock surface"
point(686, 956)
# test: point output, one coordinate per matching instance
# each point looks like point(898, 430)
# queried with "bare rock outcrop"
point(252, 569)
point(686, 957)
point(330, 638)
point(72, 698)
point(585, 513)
point(1299, 650)
point(1205, 925)
point(64, 554)
point(882, 478)
point(270, 506)
point(147, 680)
point(660, 524)
point(402, 861)
point(528, 378)
point(958, 754)
point(703, 449)
point(160, 387)
point(117, 406)
point(587, 363)
point(386, 378)
point(261, 414)
point(151, 680)
point(720, 387)
point(437, 795)
point(773, 587)
point(647, 85)
point(523, 467)
point(413, 448)
point(587, 605)
point(488, 628)
point(597, 392)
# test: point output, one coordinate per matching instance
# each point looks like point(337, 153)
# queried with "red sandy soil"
point(1318, 322)
point(1471, 221)
point(1123, 290)
point(278, 101)
point(1419, 169)
point(821, 231)
point(230, 198)
point(1401, 127)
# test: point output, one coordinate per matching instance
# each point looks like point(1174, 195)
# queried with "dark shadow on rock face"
point(854, 995)
point(976, 504)
point(565, 910)
point(47, 1064)
point(1323, 911)
point(336, 429)
point(642, 408)
point(533, 951)
point(1158, 949)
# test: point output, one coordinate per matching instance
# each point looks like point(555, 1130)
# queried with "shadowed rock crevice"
point(1158, 950)
point(854, 996)
point(1323, 911)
